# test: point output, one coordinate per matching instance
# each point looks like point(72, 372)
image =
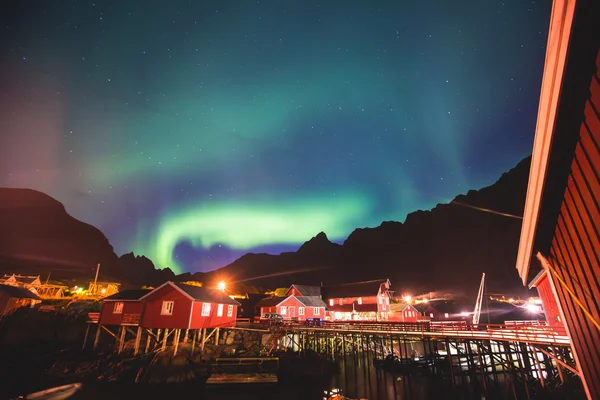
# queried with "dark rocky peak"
point(318, 243)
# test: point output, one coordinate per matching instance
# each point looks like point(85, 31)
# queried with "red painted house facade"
point(367, 300)
point(542, 283)
point(416, 313)
point(122, 308)
point(302, 308)
point(181, 306)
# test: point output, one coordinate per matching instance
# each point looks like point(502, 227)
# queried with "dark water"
point(356, 377)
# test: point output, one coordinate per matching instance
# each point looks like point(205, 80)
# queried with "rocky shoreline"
point(48, 347)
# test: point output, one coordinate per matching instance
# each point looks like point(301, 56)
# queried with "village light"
point(103, 291)
point(221, 286)
point(532, 308)
point(407, 299)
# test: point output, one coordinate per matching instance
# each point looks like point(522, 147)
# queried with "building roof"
point(127, 295)
point(270, 301)
point(206, 295)
point(311, 301)
point(18, 292)
point(306, 290)
point(355, 289)
point(569, 67)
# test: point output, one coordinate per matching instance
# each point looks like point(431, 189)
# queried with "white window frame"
point(283, 310)
point(316, 311)
point(359, 300)
point(330, 302)
point(220, 310)
point(446, 315)
point(430, 315)
point(118, 308)
point(167, 307)
point(205, 310)
point(230, 310)
point(300, 311)
point(341, 302)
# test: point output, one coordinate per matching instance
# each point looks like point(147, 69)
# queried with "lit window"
point(230, 310)
point(300, 310)
point(381, 300)
point(387, 301)
point(118, 308)
point(283, 310)
point(167, 308)
point(360, 300)
point(430, 315)
point(341, 301)
point(446, 315)
point(205, 309)
point(330, 302)
point(316, 311)
point(220, 310)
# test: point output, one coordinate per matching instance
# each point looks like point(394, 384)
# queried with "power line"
point(486, 210)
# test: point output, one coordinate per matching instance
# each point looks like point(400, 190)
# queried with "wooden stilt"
point(138, 338)
point(157, 340)
point(194, 337)
point(185, 337)
point(87, 331)
point(217, 337)
point(176, 341)
point(164, 342)
point(122, 339)
point(203, 338)
point(149, 333)
point(97, 336)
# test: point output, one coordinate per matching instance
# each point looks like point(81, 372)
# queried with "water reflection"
point(357, 377)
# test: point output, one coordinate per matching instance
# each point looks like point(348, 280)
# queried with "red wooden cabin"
point(122, 308)
point(268, 305)
point(302, 308)
point(416, 313)
point(368, 300)
point(542, 283)
point(180, 306)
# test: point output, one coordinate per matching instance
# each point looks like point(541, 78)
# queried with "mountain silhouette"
point(446, 248)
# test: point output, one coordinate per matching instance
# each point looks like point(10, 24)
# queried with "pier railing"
point(459, 329)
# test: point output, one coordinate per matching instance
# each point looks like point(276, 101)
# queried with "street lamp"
point(221, 286)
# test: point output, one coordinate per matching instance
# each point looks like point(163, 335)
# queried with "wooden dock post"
point(185, 337)
point(149, 334)
point(97, 339)
point(87, 331)
point(176, 340)
point(194, 337)
point(203, 338)
point(138, 338)
point(217, 337)
point(122, 339)
point(164, 342)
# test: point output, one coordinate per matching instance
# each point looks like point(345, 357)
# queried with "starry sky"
point(195, 131)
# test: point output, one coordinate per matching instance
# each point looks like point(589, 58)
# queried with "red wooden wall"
point(151, 317)
point(108, 317)
point(575, 250)
point(549, 301)
point(212, 321)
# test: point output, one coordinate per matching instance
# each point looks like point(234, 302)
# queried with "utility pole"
point(96, 278)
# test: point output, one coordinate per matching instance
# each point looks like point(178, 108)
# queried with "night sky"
point(195, 131)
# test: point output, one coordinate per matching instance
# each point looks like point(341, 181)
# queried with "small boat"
point(55, 393)
point(336, 394)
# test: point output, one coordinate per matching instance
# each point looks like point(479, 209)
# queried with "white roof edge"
point(561, 21)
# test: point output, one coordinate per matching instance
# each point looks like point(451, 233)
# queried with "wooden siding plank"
point(575, 318)
point(590, 228)
point(584, 269)
point(587, 334)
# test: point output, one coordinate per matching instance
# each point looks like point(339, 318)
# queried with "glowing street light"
point(407, 299)
point(221, 286)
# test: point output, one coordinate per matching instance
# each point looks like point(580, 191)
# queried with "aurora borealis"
point(195, 131)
